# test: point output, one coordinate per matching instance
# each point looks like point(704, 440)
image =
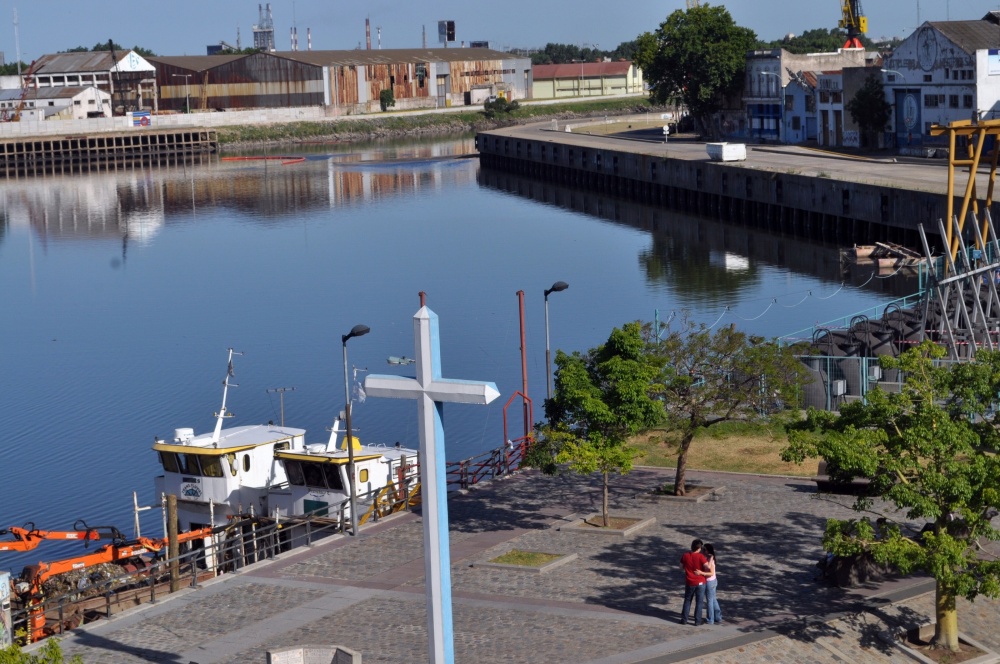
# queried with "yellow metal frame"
point(976, 132)
point(316, 458)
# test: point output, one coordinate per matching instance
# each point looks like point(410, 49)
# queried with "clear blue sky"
point(179, 27)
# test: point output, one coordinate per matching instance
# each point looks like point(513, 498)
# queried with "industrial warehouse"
point(342, 82)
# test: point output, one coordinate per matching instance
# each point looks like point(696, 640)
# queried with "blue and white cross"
point(431, 391)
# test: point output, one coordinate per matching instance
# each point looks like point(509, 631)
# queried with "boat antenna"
point(222, 414)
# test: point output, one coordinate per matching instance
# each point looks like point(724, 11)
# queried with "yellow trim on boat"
point(207, 451)
point(316, 458)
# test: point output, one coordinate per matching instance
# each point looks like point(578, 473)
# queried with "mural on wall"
point(852, 139)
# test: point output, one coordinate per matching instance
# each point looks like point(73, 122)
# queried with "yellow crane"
point(854, 21)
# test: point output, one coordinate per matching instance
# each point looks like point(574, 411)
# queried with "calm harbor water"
point(121, 293)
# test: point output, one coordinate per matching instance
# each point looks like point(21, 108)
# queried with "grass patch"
point(732, 446)
point(526, 558)
point(373, 125)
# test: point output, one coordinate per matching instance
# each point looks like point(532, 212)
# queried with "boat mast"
point(222, 414)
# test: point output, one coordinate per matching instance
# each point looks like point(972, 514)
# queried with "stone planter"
point(532, 569)
point(696, 494)
point(926, 632)
point(581, 526)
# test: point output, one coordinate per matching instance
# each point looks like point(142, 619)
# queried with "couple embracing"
point(698, 565)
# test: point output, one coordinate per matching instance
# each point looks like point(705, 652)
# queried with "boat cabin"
point(232, 472)
point(318, 481)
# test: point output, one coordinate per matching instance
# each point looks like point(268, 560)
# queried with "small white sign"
point(666, 116)
point(666, 129)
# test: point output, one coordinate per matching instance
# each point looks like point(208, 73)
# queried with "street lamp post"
point(187, 91)
point(356, 331)
point(781, 109)
point(556, 287)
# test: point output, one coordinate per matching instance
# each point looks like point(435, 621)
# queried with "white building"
point(944, 71)
point(63, 103)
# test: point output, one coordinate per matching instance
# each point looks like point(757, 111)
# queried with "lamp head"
point(356, 331)
point(556, 287)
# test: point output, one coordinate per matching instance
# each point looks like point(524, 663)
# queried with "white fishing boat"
point(268, 470)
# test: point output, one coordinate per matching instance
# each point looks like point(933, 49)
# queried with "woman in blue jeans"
point(714, 613)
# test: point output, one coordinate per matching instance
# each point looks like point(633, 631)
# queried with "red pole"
point(423, 298)
point(524, 367)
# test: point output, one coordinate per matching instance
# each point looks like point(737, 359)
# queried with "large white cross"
point(431, 391)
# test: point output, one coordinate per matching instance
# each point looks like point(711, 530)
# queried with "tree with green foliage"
point(721, 376)
point(497, 108)
point(109, 45)
point(930, 452)
point(386, 99)
point(700, 59)
point(819, 40)
point(601, 398)
point(49, 653)
point(11, 69)
point(870, 110)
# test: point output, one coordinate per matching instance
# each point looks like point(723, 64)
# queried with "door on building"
point(443, 89)
point(810, 127)
point(838, 128)
point(824, 120)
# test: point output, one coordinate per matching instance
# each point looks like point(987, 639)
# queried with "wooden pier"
point(65, 155)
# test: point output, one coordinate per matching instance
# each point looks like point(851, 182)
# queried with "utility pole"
point(281, 396)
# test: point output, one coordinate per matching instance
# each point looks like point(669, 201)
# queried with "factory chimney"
point(368, 34)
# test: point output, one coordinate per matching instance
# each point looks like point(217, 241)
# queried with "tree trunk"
point(679, 488)
point(604, 502)
point(946, 630)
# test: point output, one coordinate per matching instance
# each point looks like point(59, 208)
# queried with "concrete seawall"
point(793, 190)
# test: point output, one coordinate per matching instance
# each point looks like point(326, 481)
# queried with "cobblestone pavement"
point(618, 602)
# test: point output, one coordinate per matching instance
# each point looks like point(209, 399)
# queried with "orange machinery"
point(28, 537)
point(120, 551)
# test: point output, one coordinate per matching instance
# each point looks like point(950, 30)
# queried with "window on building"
point(789, 103)
point(52, 103)
point(796, 123)
point(953, 101)
point(930, 101)
point(824, 97)
point(76, 102)
point(927, 78)
point(810, 103)
point(837, 98)
point(927, 128)
point(966, 101)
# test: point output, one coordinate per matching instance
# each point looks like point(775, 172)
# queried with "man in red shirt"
point(692, 564)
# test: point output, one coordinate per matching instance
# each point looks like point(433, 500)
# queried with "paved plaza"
point(618, 602)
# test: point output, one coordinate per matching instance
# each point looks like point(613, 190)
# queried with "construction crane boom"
point(854, 21)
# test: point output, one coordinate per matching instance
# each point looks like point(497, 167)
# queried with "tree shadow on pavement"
point(91, 640)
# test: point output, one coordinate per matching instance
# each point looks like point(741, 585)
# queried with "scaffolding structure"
point(263, 31)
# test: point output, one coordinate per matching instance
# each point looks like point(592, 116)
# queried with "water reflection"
point(133, 206)
point(703, 262)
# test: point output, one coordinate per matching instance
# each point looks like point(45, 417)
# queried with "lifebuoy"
point(144, 121)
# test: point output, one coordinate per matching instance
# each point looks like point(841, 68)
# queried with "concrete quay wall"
point(826, 197)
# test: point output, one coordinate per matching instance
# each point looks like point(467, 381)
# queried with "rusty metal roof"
point(389, 56)
point(578, 69)
point(64, 63)
point(194, 63)
point(970, 36)
point(58, 92)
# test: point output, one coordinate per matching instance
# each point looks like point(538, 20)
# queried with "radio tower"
point(693, 4)
point(263, 32)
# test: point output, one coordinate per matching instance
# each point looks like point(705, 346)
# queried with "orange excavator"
point(127, 553)
point(28, 537)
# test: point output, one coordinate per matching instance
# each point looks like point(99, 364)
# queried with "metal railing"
point(244, 541)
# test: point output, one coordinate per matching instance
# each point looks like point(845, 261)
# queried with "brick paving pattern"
point(618, 602)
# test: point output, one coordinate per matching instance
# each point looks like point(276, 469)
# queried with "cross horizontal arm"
point(441, 390)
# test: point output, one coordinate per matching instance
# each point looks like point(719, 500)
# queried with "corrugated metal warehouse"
point(346, 81)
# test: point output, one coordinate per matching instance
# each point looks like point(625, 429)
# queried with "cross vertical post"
point(431, 391)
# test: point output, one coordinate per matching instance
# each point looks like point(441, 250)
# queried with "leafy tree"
point(499, 107)
point(104, 46)
point(700, 58)
point(722, 376)
point(819, 40)
point(49, 653)
point(386, 99)
point(646, 48)
point(930, 452)
point(602, 398)
point(10, 69)
point(870, 110)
